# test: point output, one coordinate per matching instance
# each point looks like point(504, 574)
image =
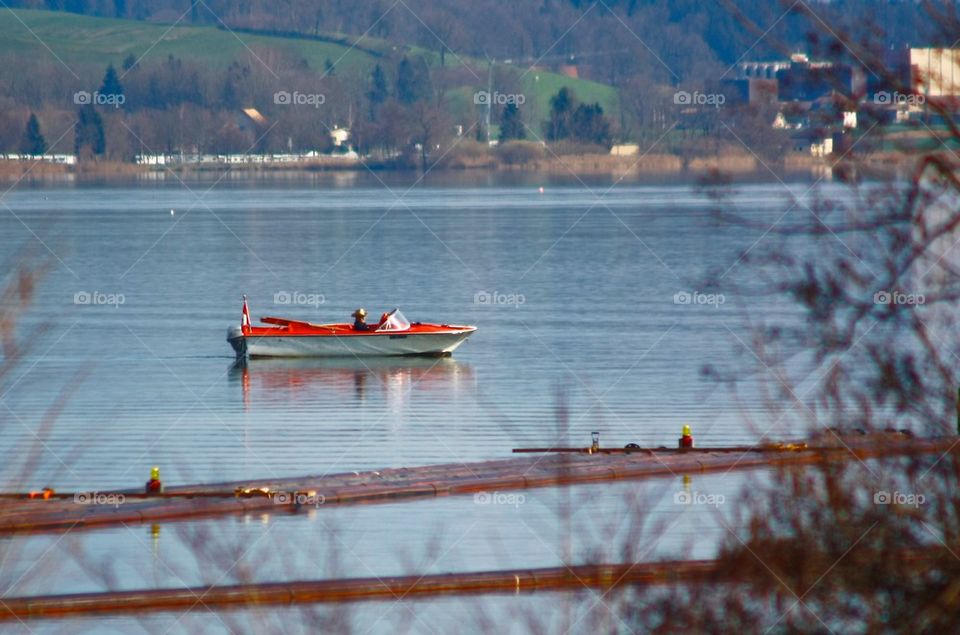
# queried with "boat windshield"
point(395, 322)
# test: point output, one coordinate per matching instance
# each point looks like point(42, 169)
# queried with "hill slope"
point(87, 40)
point(90, 41)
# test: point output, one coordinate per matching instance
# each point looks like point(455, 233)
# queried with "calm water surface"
point(581, 328)
point(574, 300)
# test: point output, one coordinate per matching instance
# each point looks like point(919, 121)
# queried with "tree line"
point(398, 109)
point(613, 40)
point(407, 103)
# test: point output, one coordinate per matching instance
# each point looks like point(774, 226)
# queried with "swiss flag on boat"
point(245, 322)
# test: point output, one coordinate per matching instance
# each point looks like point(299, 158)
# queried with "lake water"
point(579, 292)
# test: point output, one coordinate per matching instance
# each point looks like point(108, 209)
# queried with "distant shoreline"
point(569, 165)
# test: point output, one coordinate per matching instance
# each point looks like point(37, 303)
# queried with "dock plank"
point(62, 513)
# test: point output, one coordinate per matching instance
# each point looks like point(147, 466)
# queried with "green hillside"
point(541, 86)
point(82, 41)
point(79, 40)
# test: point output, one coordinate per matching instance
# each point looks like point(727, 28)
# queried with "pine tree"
point(228, 95)
point(378, 92)
point(511, 126)
point(413, 80)
point(561, 109)
point(88, 131)
point(588, 125)
point(33, 142)
point(111, 83)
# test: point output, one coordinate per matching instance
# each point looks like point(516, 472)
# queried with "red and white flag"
point(245, 322)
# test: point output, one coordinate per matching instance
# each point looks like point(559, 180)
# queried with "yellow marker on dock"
point(154, 486)
point(686, 438)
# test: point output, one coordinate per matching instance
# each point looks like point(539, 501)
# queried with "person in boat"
point(360, 321)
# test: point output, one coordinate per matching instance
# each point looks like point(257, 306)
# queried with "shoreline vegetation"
point(146, 100)
point(653, 164)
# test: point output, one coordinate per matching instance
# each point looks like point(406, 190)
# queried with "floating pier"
point(553, 467)
point(391, 588)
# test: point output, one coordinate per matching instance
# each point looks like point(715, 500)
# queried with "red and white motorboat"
point(395, 335)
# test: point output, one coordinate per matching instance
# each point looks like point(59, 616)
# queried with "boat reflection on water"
point(391, 379)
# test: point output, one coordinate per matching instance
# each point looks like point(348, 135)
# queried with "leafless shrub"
point(860, 545)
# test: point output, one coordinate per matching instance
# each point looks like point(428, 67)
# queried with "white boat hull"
point(439, 344)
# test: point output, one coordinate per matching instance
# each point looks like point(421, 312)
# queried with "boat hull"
point(360, 345)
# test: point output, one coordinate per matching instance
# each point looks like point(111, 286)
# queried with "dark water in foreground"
point(581, 304)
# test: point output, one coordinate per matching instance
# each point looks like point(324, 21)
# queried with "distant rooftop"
point(255, 115)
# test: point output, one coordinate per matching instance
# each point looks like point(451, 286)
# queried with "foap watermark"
point(898, 297)
point(296, 98)
point(896, 98)
point(684, 497)
point(696, 98)
point(697, 298)
point(98, 298)
point(297, 298)
point(516, 499)
point(96, 98)
point(494, 298)
point(301, 499)
point(496, 98)
point(99, 498)
point(884, 497)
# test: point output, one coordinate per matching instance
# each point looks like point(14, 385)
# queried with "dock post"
point(958, 411)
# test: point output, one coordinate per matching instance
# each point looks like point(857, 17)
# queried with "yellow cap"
point(686, 431)
point(155, 473)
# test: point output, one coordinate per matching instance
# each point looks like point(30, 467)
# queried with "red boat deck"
point(289, 328)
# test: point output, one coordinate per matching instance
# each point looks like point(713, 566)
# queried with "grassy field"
point(82, 41)
point(540, 86)
point(85, 40)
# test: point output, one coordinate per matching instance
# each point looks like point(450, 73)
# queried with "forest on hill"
point(401, 75)
point(616, 38)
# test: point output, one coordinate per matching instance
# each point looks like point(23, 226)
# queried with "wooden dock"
point(392, 588)
point(289, 495)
